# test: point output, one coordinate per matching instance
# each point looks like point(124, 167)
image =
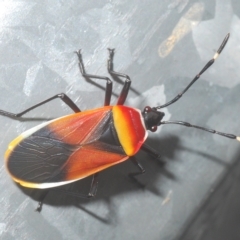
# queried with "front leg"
point(127, 83)
point(61, 96)
point(151, 151)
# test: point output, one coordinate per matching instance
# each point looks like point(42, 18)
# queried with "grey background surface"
point(162, 45)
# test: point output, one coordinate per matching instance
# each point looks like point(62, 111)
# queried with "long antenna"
point(186, 124)
point(199, 74)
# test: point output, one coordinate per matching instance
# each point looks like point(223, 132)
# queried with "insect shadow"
point(115, 181)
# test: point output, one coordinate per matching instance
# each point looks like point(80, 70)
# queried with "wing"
point(65, 150)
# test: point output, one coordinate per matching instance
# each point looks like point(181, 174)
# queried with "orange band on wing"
point(89, 160)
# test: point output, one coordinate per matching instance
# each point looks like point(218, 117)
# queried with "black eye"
point(153, 129)
point(147, 109)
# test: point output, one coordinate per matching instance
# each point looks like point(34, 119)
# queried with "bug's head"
point(152, 118)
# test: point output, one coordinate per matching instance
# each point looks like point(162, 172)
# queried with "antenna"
point(186, 124)
point(199, 74)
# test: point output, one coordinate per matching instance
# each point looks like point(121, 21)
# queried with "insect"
point(67, 149)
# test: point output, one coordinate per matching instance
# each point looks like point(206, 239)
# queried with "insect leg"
point(92, 192)
point(40, 203)
point(133, 175)
point(127, 83)
point(151, 151)
point(140, 167)
point(62, 96)
point(108, 92)
point(94, 186)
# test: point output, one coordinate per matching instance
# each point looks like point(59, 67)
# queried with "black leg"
point(151, 151)
point(62, 96)
point(93, 187)
point(92, 192)
point(140, 167)
point(141, 171)
point(127, 83)
point(108, 92)
point(41, 199)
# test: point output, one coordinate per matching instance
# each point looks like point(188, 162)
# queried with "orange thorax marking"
point(130, 128)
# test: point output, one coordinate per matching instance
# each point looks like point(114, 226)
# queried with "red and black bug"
point(73, 147)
